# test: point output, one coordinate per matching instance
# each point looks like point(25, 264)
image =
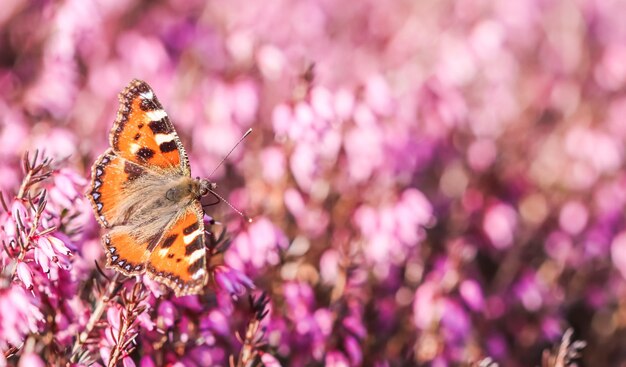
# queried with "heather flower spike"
point(253, 340)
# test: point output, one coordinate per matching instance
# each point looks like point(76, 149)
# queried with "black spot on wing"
point(192, 228)
point(144, 154)
point(132, 170)
point(161, 126)
point(195, 245)
point(168, 146)
point(169, 241)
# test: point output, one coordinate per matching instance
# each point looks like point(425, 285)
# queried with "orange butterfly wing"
point(143, 133)
point(124, 254)
point(179, 260)
point(109, 174)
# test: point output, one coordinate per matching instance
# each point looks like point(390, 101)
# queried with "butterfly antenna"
point(226, 156)
point(247, 219)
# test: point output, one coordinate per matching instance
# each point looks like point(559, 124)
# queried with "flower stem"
point(95, 316)
point(117, 349)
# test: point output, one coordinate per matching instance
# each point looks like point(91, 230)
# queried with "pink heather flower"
point(455, 320)
point(146, 361)
point(354, 324)
point(336, 359)
point(7, 229)
point(269, 360)
point(30, 359)
point(531, 291)
point(573, 217)
point(145, 320)
point(18, 210)
point(154, 287)
point(390, 231)
point(167, 314)
point(364, 150)
point(482, 154)
point(472, 294)
point(499, 224)
point(329, 266)
point(299, 298)
point(58, 143)
point(324, 319)
point(322, 103)
point(59, 246)
point(57, 197)
point(19, 317)
point(43, 260)
point(105, 352)
point(618, 253)
point(128, 362)
point(610, 73)
point(559, 246)
point(271, 61)
point(343, 103)
point(45, 246)
point(353, 349)
point(311, 220)
point(216, 321)
point(113, 317)
point(51, 249)
point(274, 165)
point(232, 281)
point(23, 272)
point(258, 245)
point(427, 308)
point(281, 119)
point(378, 95)
point(303, 165)
point(245, 101)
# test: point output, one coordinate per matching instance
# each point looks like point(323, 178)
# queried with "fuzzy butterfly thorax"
point(143, 195)
point(189, 188)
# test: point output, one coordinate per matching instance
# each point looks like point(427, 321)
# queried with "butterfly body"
point(144, 196)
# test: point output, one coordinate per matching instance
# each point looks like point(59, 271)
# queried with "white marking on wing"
point(134, 148)
point(196, 255)
point(198, 274)
point(163, 252)
point(163, 138)
point(156, 115)
point(147, 95)
point(192, 236)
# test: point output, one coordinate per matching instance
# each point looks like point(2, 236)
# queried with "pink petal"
point(59, 246)
point(23, 272)
point(30, 359)
point(618, 253)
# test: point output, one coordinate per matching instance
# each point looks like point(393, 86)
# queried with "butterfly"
point(143, 195)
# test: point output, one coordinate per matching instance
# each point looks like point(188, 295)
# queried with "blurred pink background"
point(433, 182)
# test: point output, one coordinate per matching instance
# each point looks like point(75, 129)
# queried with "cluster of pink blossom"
point(431, 182)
